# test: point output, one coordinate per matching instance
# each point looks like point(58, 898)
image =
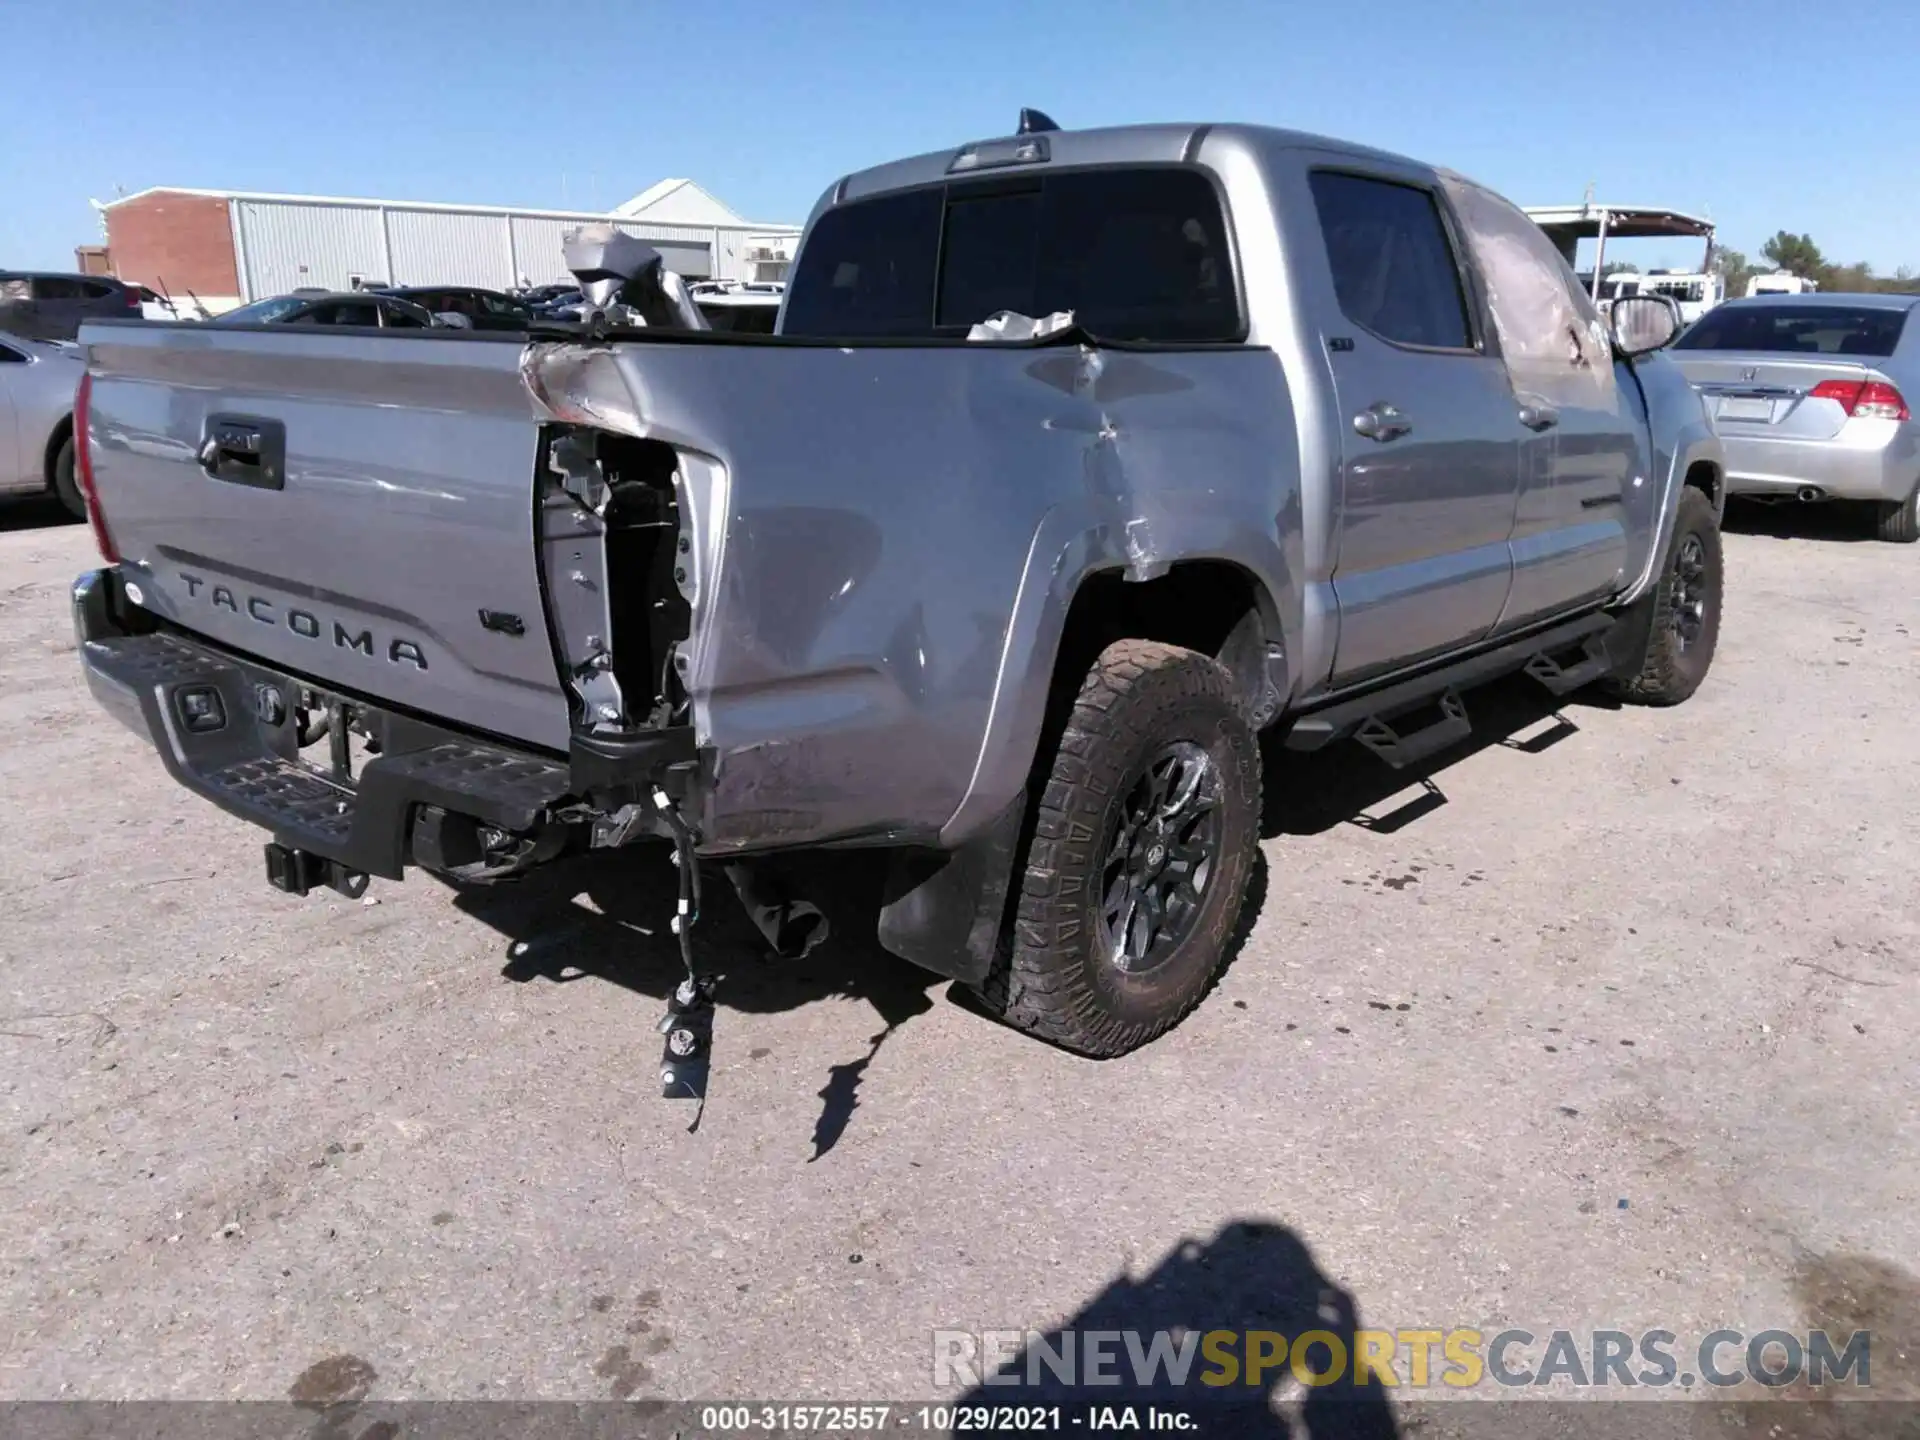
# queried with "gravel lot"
point(1612, 1025)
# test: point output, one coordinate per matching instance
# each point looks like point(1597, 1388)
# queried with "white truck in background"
point(1781, 282)
point(1695, 291)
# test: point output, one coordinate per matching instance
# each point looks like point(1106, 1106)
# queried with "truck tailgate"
point(389, 550)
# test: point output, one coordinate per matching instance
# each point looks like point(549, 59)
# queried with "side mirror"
point(1642, 324)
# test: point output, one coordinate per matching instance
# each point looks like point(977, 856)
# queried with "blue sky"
point(1767, 114)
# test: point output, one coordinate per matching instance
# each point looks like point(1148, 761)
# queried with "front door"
point(1582, 445)
point(1430, 451)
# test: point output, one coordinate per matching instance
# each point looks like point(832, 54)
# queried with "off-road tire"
point(1668, 672)
point(1898, 521)
point(1052, 979)
point(64, 484)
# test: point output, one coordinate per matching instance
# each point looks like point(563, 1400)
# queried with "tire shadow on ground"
point(1847, 521)
point(33, 512)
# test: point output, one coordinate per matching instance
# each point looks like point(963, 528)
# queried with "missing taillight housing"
point(1864, 399)
point(83, 469)
point(645, 571)
point(615, 571)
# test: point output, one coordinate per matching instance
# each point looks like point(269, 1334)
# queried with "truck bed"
point(864, 536)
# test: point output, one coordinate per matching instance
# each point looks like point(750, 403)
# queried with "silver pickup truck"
point(1329, 437)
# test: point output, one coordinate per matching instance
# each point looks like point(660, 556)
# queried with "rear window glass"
point(992, 245)
point(1135, 254)
point(1797, 330)
point(867, 269)
point(741, 319)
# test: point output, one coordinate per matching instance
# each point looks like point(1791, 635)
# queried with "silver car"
point(37, 383)
point(1810, 394)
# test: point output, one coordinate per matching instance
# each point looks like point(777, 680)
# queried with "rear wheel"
point(1685, 626)
point(64, 484)
point(1899, 520)
point(1142, 846)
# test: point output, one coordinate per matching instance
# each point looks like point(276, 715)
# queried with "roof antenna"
point(1032, 121)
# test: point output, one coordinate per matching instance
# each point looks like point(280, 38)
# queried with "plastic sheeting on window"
point(1555, 344)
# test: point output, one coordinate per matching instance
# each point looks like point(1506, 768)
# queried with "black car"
point(484, 309)
point(539, 295)
point(371, 309)
point(41, 305)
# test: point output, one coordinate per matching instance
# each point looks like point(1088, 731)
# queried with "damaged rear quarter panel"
point(904, 530)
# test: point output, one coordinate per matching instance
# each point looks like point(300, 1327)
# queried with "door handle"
point(245, 451)
point(1381, 422)
point(1539, 417)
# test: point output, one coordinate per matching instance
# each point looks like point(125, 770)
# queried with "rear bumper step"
point(204, 714)
point(227, 729)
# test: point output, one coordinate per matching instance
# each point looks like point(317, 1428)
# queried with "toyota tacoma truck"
point(1315, 438)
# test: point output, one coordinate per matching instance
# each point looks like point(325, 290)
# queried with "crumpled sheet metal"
point(875, 621)
point(1010, 325)
point(619, 271)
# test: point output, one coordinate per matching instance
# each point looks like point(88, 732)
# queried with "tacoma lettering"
point(305, 623)
point(363, 642)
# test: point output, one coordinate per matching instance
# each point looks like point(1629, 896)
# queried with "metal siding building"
point(289, 242)
point(455, 249)
point(283, 247)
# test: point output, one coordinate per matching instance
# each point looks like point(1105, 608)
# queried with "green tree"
point(1848, 279)
point(1734, 271)
point(1797, 253)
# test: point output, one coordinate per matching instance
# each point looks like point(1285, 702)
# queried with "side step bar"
point(1560, 679)
point(1365, 717)
point(1400, 751)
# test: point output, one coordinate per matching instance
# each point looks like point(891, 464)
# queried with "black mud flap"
point(944, 910)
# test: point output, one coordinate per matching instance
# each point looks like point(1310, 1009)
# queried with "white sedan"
point(37, 383)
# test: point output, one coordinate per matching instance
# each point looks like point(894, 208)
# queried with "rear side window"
point(1135, 254)
point(57, 287)
point(1798, 330)
point(1393, 267)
